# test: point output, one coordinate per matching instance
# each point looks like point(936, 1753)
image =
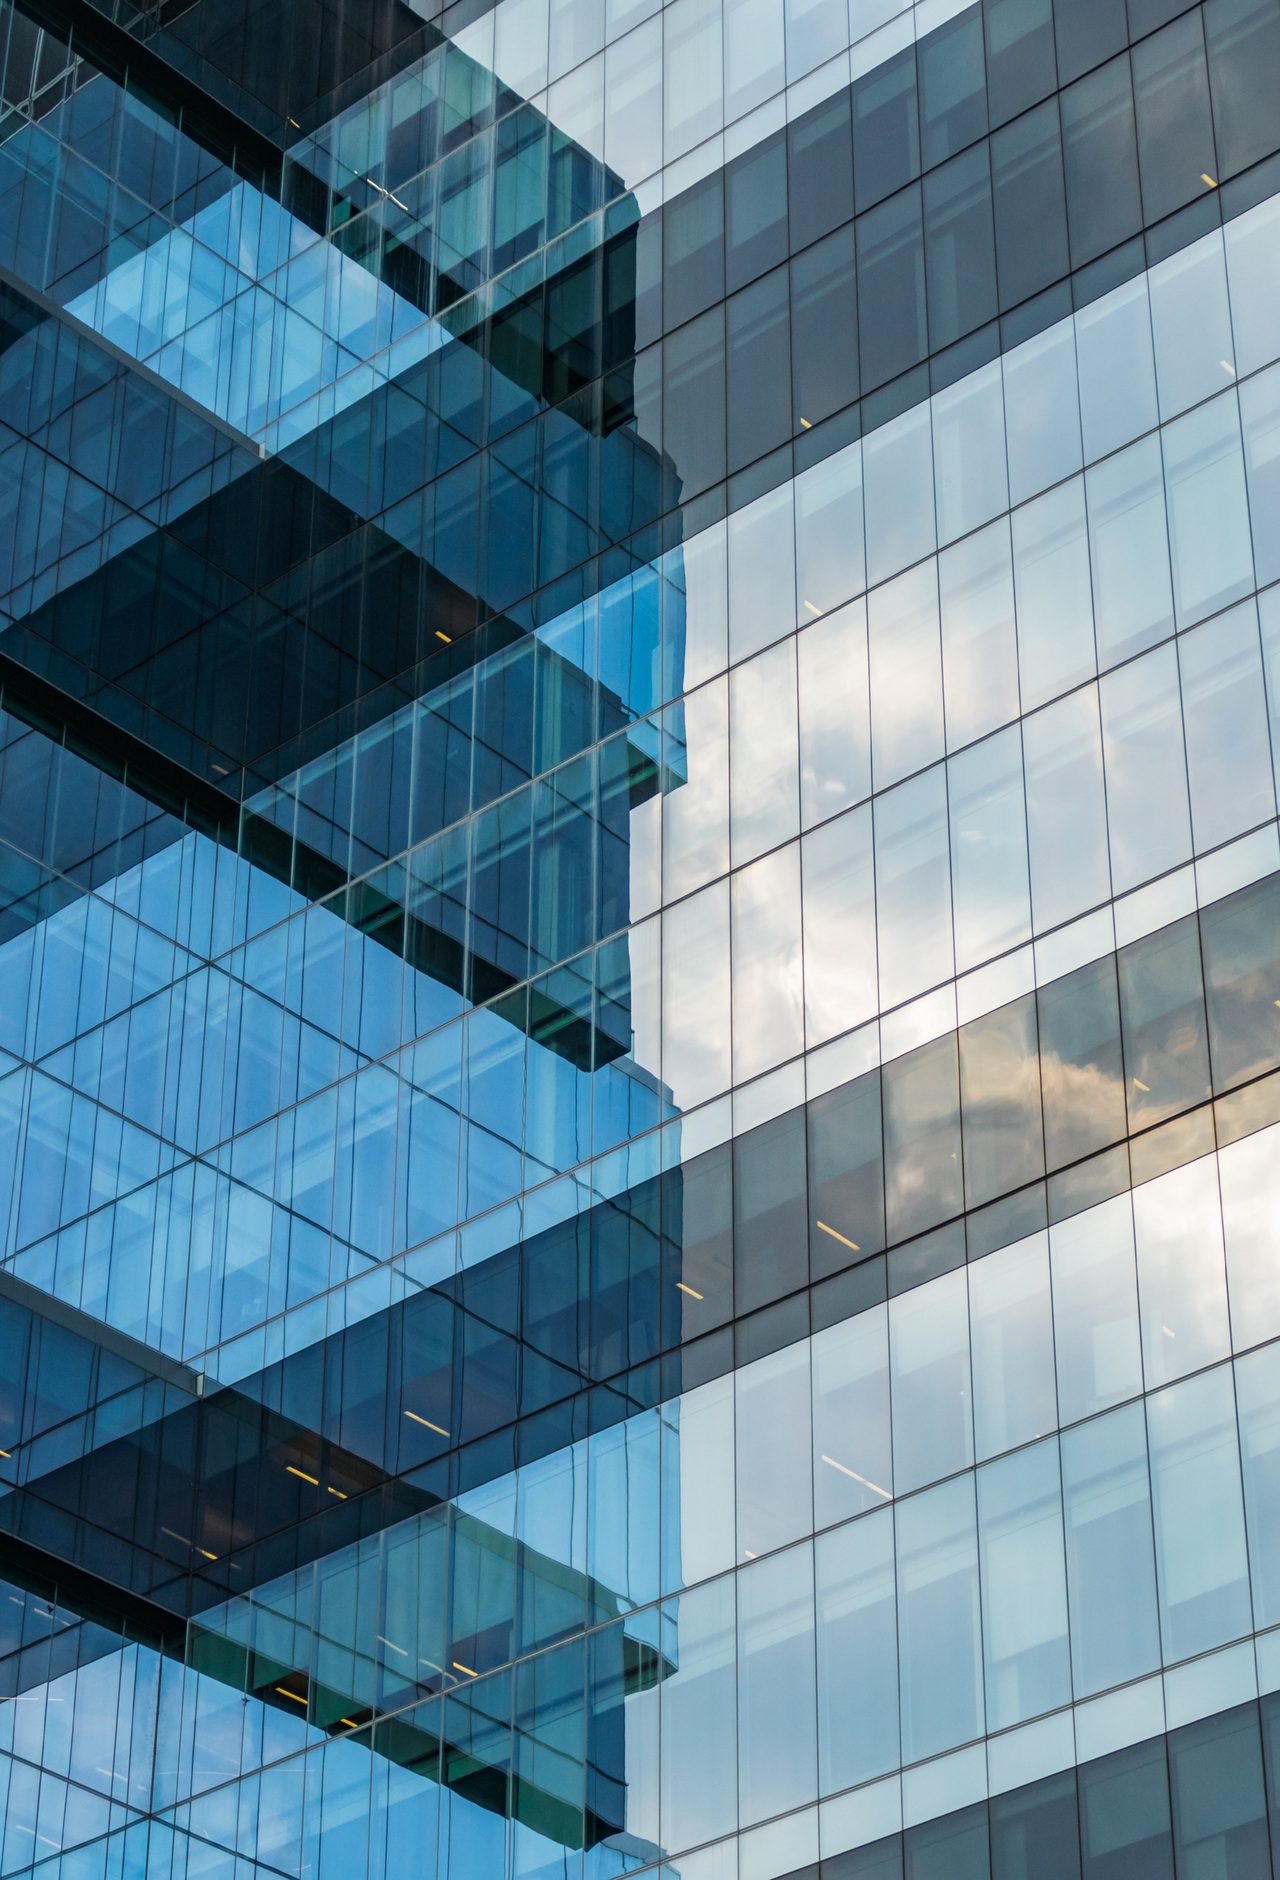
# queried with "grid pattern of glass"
point(640, 940)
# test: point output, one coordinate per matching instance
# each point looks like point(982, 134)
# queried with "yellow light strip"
point(426, 1423)
point(842, 1238)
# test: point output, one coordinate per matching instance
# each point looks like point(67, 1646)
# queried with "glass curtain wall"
point(640, 940)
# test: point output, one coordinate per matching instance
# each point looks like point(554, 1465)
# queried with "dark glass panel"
point(694, 401)
point(1124, 1816)
point(625, 1269)
point(922, 1139)
point(1035, 1832)
point(960, 253)
point(756, 212)
point(886, 130)
point(1240, 938)
point(953, 90)
point(1087, 32)
point(1219, 1801)
point(824, 329)
point(1030, 205)
point(698, 1245)
point(846, 1179)
point(882, 1860)
point(1146, 15)
point(891, 303)
point(1021, 69)
point(1100, 153)
point(1244, 78)
point(820, 171)
point(954, 1848)
point(1000, 1101)
point(1081, 1063)
point(1175, 126)
point(769, 1217)
point(759, 369)
point(1166, 1049)
point(1269, 1707)
point(693, 239)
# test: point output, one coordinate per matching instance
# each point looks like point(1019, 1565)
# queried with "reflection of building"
point(638, 966)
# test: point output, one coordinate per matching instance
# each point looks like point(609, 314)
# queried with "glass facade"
point(640, 939)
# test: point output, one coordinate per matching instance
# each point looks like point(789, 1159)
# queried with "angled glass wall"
point(639, 940)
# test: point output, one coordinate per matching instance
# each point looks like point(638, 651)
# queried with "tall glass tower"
point(639, 939)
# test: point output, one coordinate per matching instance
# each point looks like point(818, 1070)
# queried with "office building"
point(639, 939)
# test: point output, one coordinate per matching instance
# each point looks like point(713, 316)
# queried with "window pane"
point(1110, 1565)
point(852, 1465)
point(1011, 1325)
point(939, 1624)
point(1095, 1309)
point(929, 1356)
point(1199, 1516)
point(1024, 1591)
